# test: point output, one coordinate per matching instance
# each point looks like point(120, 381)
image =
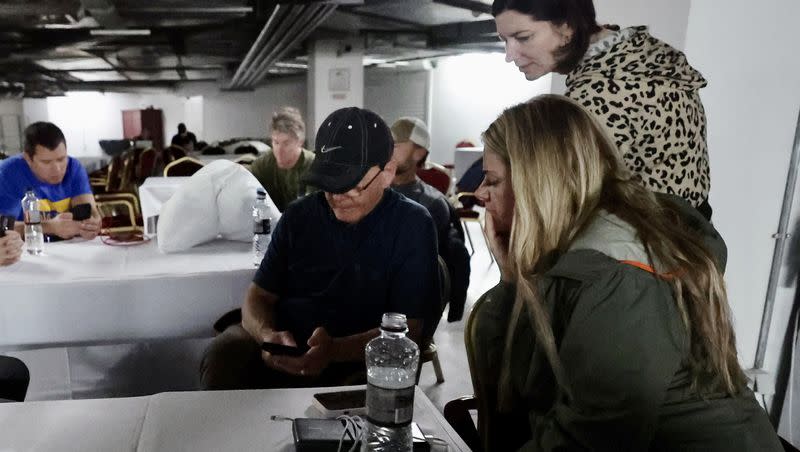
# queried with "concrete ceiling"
point(48, 47)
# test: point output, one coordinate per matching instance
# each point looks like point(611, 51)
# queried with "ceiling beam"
point(36, 9)
point(472, 5)
point(144, 69)
point(187, 10)
point(478, 32)
point(371, 15)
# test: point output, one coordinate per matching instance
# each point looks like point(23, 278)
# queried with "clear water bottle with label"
point(262, 227)
point(392, 361)
point(34, 236)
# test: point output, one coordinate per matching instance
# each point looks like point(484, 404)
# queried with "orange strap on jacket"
point(647, 268)
point(640, 265)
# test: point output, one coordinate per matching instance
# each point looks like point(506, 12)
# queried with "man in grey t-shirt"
point(411, 143)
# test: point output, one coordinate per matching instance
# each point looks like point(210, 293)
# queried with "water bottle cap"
point(394, 322)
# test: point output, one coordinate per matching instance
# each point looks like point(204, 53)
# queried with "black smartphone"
point(341, 402)
point(81, 212)
point(6, 224)
point(280, 349)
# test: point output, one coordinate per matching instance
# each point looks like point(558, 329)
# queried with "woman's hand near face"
point(498, 245)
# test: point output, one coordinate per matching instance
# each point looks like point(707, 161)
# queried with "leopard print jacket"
point(646, 94)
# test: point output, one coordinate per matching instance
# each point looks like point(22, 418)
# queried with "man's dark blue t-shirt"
point(344, 277)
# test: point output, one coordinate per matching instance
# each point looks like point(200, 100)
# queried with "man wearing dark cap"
point(338, 260)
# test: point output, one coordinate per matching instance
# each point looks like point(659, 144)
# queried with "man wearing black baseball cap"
point(338, 260)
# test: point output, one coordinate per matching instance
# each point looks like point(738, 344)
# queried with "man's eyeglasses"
point(363, 188)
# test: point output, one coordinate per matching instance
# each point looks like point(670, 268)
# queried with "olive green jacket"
point(623, 348)
point(283, 186)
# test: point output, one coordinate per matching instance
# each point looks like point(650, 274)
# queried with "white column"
point(335, 80)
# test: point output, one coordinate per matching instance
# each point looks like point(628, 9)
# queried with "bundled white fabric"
point(217, 200)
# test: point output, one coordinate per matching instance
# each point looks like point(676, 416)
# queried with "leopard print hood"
point(637, 56)
point(647, 96)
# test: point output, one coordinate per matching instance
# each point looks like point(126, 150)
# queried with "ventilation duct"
point(286, 28)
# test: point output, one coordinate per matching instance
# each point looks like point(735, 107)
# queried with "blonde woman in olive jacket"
point(610, 329)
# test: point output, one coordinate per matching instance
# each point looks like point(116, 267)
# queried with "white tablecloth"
point(183, 421)
point(153, 193)
point(89, 292)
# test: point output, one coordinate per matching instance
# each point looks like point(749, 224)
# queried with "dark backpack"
point(454, 252)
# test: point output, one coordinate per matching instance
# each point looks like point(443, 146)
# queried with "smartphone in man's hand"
point(287, 350)
point(81, 212)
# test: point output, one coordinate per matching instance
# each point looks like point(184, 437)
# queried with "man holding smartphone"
point(59, 181)
point(338, 260)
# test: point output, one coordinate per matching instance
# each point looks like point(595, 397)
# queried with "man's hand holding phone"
point(282, 353)
point(63, 226)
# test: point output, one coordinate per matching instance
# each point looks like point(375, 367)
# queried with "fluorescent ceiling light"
point(291, 65)
point(120, 32)
point(368, 60)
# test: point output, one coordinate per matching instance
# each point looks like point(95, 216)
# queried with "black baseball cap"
point(349, 142)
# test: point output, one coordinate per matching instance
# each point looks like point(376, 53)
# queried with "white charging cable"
point(354, 427)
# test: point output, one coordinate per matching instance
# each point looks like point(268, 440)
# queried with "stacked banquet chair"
point(116, 188)
point(184, 166)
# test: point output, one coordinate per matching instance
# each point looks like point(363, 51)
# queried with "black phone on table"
point(337, 403)
point(280, 349)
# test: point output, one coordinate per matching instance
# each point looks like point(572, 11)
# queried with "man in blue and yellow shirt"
point(59, 181)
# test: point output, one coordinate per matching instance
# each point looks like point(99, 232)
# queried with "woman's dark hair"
point(579, 15)
point(44, 134)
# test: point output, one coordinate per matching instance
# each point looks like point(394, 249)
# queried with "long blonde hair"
point(564, 168)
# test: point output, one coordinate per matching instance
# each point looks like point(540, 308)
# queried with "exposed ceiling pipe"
point(278, 53)
point(281, 30)
point(287, 26)
point(259, 42)
point(305, 24)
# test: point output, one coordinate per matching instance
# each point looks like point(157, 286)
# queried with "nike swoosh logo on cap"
point(325, 150)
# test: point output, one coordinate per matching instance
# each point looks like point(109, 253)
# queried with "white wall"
point(228, 114)
point(11, 124)
point(667, 19)
point(34, 110)
point(87, 117)
point(10, 106)
point(193, 116)
point(751, 102)
point(469, 92)
point(394, 94)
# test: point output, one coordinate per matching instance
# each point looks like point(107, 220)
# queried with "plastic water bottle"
point(262, 227)
point(392, 360)
point(34, 236)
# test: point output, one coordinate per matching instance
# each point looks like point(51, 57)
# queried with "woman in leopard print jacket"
point(643, 90)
